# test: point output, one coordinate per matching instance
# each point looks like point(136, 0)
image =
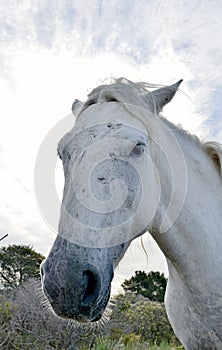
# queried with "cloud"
point(169, 39)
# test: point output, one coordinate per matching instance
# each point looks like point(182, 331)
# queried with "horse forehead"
point(102, 120)
point(108, 112)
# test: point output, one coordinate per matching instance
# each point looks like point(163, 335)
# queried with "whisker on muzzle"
point(93, 326)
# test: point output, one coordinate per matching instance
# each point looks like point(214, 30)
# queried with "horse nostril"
point(91, 287)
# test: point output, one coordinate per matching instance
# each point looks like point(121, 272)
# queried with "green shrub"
point(116, 333)
point(136, 315)
point(6, 309)
point(131, 339)
point(135, 323)
point(104, 343)
point(149, 319)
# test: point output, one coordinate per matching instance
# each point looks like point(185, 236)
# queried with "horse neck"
point(193, 244)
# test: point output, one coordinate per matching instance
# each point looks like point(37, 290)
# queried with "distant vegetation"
point(151, 285)
point(18, 263)
point(26, 323)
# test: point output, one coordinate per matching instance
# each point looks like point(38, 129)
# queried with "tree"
point(18, 263)
point(151, 285)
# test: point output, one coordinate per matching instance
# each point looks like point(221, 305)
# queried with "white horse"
point(127, 171)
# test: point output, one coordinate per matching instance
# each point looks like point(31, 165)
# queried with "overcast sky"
point(52, 52)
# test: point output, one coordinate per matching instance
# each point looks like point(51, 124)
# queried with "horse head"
point(111, 195)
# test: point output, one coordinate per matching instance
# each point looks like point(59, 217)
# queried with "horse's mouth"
point(99, 316)
point(81, 315)
point(82, 319)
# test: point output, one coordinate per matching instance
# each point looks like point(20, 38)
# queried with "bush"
point(26, 324)
point(6, 309)
point(131, 339)
point(149, 319)
point(104, 343)
point(143, 318)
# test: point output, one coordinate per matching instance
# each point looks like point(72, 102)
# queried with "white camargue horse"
point(127, 171)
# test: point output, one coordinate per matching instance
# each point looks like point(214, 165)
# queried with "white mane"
point(214, 149)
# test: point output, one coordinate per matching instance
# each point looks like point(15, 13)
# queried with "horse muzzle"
point(80, 296)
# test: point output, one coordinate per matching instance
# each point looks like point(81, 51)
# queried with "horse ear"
point(76, 107)
point(157, 99)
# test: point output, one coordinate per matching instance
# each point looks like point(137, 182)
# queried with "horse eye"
point(138, 149)
point(67, 155)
